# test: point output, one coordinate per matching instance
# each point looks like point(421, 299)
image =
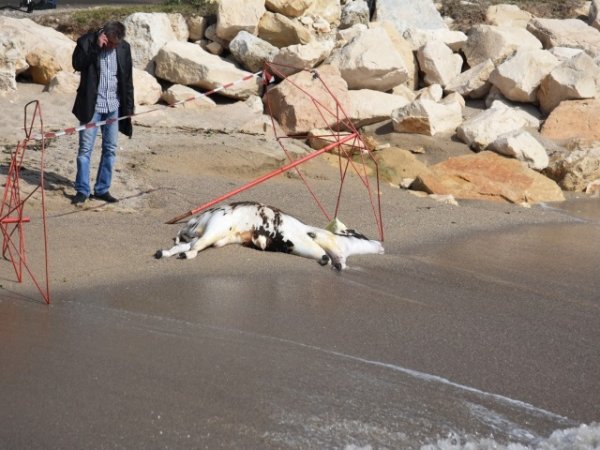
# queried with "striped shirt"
point(107, 100)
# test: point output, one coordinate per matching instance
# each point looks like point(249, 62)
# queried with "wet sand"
point(486, 329)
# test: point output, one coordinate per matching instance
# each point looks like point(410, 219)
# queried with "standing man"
point(105, 93)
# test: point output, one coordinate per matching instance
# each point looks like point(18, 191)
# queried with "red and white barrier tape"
point(72, 130)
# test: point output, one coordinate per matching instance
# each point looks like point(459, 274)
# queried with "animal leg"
point(176, 249)
point(308, 248)
point(212, 235)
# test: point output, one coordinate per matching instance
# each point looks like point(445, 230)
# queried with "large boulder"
point(424, 116)
point(572, 33)
point(146, 90)
point(294, 58)
point(234, 16)
point(496, 43)
point(397, 164)
point(64, 83)
point(405, 14)
point(290, 8)
point(523, 146)
point(574, 120)
point(575, 169)
point(42, 66)
point(439, 63)
point(519, 77)
point(577, 78)
point(484, 128)
point(196, 27)
point(181, 96)
point(329, 11)
point(368, 106)
point(403, 47)
point(186, 63)
point(474, 82)
point(370, 61)
point(147, 33)
point(251, 50)
point(355, 12)
point(22, 37)
point(488, 176)
point(297, 112)
point(282, 31)
point(507, 15)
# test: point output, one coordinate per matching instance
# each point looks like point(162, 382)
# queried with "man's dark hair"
point(114, 30)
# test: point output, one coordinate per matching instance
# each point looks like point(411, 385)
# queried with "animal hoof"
point(337, 266)
point(324, 260)
point(158, 254)
point(181, 256)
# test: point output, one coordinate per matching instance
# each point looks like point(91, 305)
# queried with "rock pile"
point(522, 92)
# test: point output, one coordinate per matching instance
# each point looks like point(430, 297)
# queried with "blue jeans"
point(87, 138)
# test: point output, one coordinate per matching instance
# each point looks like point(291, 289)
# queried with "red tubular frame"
point(11, 209)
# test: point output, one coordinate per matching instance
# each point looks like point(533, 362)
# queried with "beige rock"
point(484, 128)
point(368, 106)
point(181, 96)
point(251, 51)
point(281, 31)
point(330, 10)
point(488, 176)
point(576, 78)
point(523, 146)
point(427, 117)
point(186, 63)
point(370, 61)
point(18, 38)
point(294, 58)
point(234, 16)
point(296, 112)
point(496, 43)
point(397, 164)
point(575, 170)
point(507, 15)
point(404, 48)
point(404, 91)
point(433, 92)
point(146, 34)
point(290, 8)
point(572, 33)
point(439, 63)
point(474, 82)
point(574, 119)
point(179, 26)
point(196, 27)
point(519, 77)
point(42, 66)
point(64, 83)
point(418, 37)
point(146, 90)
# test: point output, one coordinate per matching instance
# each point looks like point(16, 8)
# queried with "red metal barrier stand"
point(11, 210)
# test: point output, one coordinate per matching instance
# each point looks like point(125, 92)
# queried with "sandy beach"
point(481, 320)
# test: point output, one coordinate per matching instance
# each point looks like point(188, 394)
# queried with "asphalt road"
point(82, 3)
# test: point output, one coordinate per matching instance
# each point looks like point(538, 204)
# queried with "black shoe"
point(106, 197)
point(79, 199)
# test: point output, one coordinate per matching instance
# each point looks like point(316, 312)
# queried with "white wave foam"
point(584, 437)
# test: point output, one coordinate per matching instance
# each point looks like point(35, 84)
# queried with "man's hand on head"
point(102, 40)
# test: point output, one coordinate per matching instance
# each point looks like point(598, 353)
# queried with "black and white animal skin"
point(267, 228)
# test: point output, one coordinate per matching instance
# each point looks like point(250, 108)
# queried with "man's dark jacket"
point(86, 61)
